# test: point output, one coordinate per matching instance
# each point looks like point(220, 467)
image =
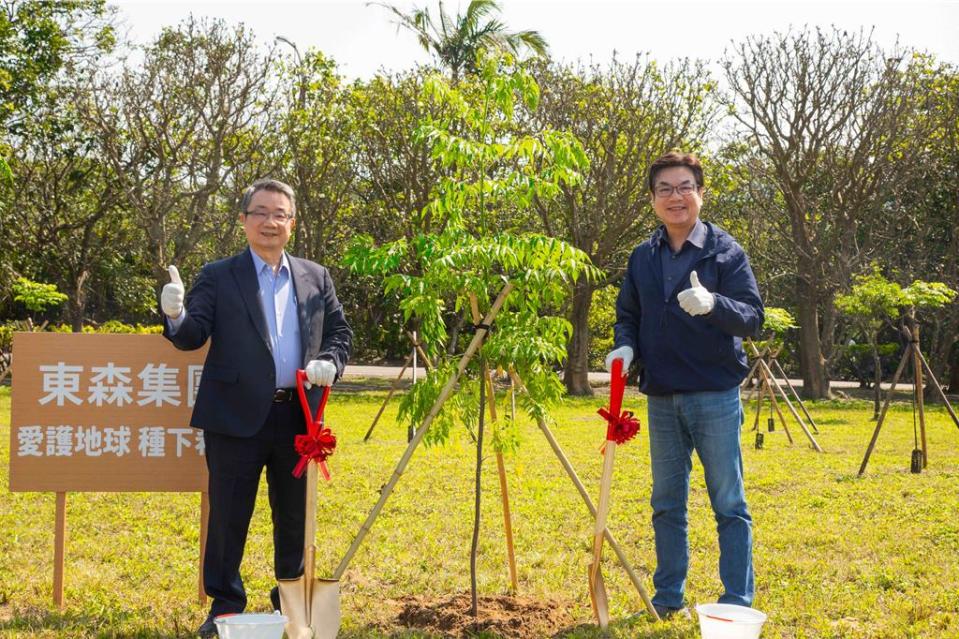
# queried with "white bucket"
point(251, 626)
point(725, 621)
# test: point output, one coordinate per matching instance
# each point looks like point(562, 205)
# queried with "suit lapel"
point(303, 287)
point(246, 281)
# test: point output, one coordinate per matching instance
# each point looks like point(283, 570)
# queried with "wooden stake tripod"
point(387, 489)
point(913, 354)
point(768, 386)
point(410, 361)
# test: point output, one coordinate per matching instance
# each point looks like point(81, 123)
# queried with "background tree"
point(183, 134)
point(826, 118)
point(456, 40)
point(920, 225)
point(38, 40)
point(395, 182)
point(625, 116)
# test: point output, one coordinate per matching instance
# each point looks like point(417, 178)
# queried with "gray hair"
point(268, 184)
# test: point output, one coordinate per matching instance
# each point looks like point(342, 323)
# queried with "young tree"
point(469, 258)
point(872, 303)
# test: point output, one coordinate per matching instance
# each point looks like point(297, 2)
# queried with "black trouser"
point(235, 464)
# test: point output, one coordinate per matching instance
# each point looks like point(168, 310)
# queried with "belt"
point(281, 395)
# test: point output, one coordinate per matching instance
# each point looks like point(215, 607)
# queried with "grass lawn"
point(835, 555)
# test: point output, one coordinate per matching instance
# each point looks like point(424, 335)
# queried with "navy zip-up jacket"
point(679, 352)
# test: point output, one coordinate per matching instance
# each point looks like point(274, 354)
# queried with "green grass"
point(835, 555)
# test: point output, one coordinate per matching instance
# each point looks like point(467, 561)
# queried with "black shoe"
point(275, 598)
point(665, 612)
point(208, 629)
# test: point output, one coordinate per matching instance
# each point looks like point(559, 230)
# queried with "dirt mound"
point(514, 617)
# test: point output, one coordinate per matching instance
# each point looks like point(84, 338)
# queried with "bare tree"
point(183, 133)
point(823, 114)
point(625, 116)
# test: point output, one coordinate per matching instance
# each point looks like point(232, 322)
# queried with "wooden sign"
point(106, 413)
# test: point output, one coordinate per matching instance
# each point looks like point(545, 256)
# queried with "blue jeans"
point(708, 422)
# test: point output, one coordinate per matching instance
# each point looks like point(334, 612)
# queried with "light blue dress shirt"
point(278, 300)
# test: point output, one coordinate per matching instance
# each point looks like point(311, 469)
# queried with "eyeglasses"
point(666, 190)
point(262, 216)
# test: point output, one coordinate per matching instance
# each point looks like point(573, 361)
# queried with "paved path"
point(597, 378)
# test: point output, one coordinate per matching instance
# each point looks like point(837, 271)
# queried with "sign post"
point(104, 413)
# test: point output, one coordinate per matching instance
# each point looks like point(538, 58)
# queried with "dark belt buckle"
point(281, 395)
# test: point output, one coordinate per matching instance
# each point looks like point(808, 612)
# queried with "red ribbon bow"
point(318, 443)
point(622, 428)
point(314, 446)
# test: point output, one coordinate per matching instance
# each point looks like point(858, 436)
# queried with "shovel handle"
point(312, 423)
point(617, 388)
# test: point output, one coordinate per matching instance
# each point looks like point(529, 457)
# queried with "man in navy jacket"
point(266, 315)
point(688, 299)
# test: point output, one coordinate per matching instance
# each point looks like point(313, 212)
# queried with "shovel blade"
point(320, 617)
point(325, 608)
point(597, 596)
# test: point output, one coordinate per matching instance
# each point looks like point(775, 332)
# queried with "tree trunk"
point(877, 377)
point(953, 379)
point(812, 365)
point(478, 494)
point(576, 371)
point(77, 303)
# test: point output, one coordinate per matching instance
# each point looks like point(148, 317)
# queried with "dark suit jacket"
point(239, 377)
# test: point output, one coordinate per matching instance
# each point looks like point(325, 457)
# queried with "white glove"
point(321, 372)
point(624, 353)
point(171, 298)
point(696, 300)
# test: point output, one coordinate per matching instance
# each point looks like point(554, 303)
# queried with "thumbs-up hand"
point(696, 300)
point(171, 298)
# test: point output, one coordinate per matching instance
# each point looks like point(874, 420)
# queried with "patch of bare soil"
point(503, 616)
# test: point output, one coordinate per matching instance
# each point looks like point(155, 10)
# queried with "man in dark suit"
point(266, 314)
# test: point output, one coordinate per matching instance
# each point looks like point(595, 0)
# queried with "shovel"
point(311, 605)
point(621, 427)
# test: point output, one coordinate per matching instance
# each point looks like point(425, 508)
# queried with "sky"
point(363, 39)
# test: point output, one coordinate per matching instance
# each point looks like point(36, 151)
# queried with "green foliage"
point(873, 299)
point(492, 170)
point(113, 327)
point(457, 41)
point(602, 317)
point(37, 296)
point(928, 295)
point(778, 320)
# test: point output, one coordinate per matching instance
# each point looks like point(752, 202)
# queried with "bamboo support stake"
point(418, 345)
point(393, 387)
point(802, 405)
point(759, 404)
point(885, 407)
point(772, 398)
point(387, 490)
point(917, 392)
point(500, 464)
point(59, 548)
point(558, 451)
point(789, 405)
point(942, 394)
